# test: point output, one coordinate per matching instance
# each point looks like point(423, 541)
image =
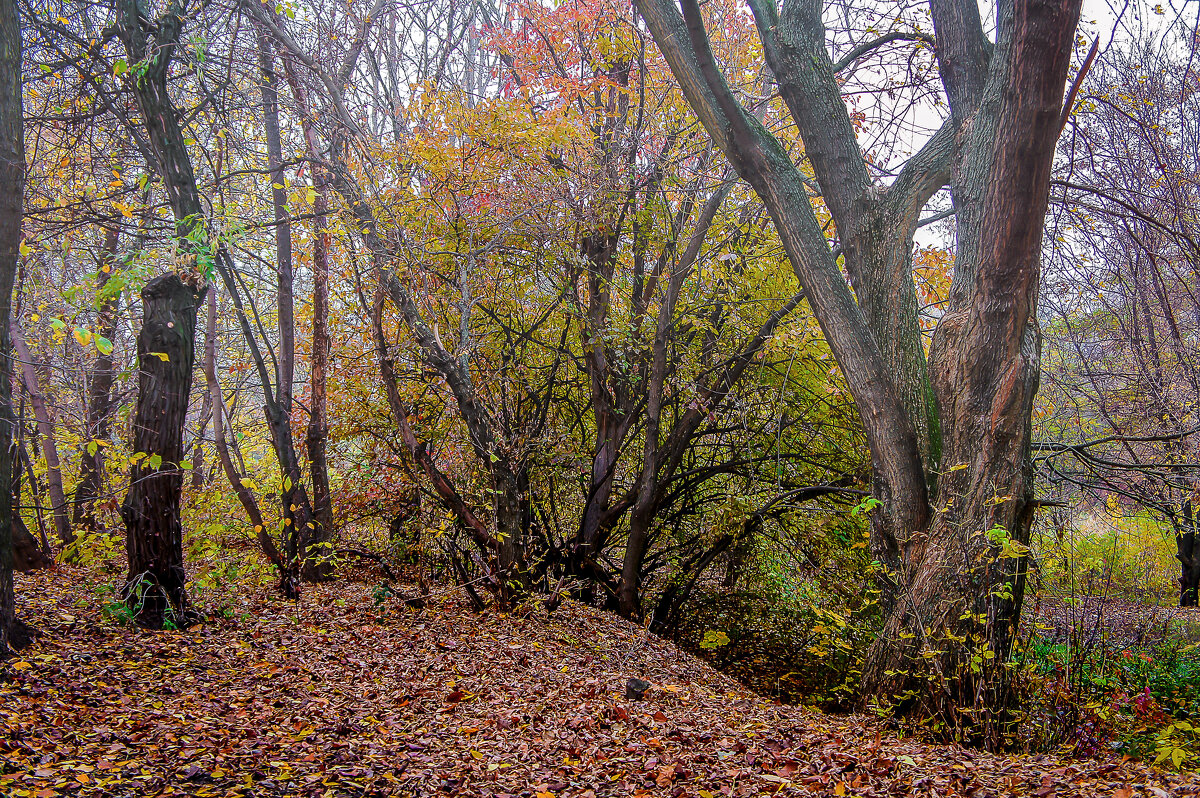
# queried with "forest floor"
point(349, 693)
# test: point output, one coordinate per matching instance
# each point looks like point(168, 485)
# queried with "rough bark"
point(318, 425)
point(947, 570)
point(964, 577)
point(13, 633)
point(155, 590)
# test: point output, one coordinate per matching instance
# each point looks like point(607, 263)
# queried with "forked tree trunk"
point(155, 589)
point(307, 543)
point(952, 477)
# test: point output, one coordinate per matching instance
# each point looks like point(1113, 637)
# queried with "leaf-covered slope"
point(335, 697)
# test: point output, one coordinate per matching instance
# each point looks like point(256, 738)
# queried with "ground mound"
point(352, 693)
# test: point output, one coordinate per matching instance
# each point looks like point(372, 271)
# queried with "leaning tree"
point(948, 432)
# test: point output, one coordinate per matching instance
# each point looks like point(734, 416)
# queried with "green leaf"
point(154, 461)
point(103, 345)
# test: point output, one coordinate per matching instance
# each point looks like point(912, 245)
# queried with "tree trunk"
point(308, 542)
point(45, 424)
point(962, 579)
point(318, 426)
point(952, 546)
point(99, 395)
point(1187, 551)
point(197, 447)
point(245, 497)
point(155, 591)
point(13, 633)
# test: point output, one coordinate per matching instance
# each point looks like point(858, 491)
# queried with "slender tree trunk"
point(23, 458)
point(155, 589)
point(45, 423)
point(197, 457)
point(308, 543)
point(318, 426)
point(99, 394)
point(28, 554)
point(236, 482)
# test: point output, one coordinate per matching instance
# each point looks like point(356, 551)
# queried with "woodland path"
point(343, 696)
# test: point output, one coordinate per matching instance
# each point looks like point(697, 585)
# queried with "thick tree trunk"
point(155, 591)
point(962, 579)
point(99, 395)
point(45, 425)
point(951, 545)
point(13, 633)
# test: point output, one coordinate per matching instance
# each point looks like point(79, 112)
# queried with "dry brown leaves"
point(333, 697)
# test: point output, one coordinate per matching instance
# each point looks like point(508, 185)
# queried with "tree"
point(13, 633)
point(1122, 398)
point(155, 590)
point(949, 434)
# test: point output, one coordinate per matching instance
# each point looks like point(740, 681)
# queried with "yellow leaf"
point(839, 788)
point(163, 356)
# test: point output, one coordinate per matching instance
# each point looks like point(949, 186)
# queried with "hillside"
point(345, 694)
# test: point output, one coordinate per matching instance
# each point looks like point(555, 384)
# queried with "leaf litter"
point(338, 696)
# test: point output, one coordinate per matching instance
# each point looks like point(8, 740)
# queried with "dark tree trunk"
point(1187, 551)
point(13, 633)
point(99, 395)
point(28, 554)
point(155, 589)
